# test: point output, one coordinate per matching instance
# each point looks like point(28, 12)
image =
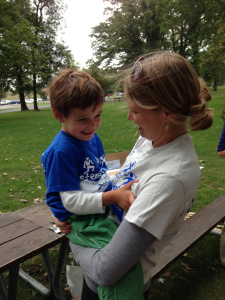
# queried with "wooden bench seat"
point(191, 231)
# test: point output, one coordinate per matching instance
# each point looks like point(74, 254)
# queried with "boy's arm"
point(122, 196)
point(81, 203)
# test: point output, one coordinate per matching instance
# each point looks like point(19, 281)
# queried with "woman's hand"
point(64, 227)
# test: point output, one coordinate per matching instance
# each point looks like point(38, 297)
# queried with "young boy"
point(78, 187)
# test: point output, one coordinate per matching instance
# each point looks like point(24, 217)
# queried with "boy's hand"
point(64, 227)
point(125, 197)
point(122, 196)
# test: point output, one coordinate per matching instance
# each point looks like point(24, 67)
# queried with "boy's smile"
point(81, 123)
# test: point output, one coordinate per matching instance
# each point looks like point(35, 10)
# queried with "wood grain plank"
point(16, 229)
point(191, 231)
point(9, 218)
point(27, 246)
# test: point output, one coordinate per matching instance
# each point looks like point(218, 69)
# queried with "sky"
point(80, 17)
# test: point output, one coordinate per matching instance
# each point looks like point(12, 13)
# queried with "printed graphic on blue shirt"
point(93, 175)
point(127, 176)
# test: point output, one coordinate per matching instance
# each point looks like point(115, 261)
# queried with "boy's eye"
point(81, 120)
point(98, 116)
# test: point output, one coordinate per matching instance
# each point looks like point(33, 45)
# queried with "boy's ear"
point(57, 115)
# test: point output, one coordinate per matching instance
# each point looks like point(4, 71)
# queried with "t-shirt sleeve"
point(82, 203)
point(158, 202)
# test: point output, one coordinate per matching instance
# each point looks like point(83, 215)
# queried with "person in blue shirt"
point(221, 145)
point(75, 168)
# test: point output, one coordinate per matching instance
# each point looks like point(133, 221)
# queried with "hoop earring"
point(167, 126)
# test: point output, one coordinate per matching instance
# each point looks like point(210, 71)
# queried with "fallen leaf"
point(166, 274)
point(211, 268)
point(37, 200)
point(161, 280)
point(23, 200)
point(187, 267)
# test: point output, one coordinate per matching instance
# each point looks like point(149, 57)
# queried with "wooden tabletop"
point(24, 234)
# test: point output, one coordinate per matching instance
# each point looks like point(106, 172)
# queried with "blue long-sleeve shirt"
point(221, 145)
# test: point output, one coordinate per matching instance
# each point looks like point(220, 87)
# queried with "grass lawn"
point(25, 135)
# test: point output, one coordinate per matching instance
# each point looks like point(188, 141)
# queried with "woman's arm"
point(108, 265)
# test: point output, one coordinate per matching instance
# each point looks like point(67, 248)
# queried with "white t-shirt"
point(168, 181)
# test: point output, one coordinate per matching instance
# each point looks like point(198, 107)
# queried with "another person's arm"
point(221, 145)
point(116, 258)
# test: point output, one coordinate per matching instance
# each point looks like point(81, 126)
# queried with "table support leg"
point(222, 246)
point(3, 291)
point(12, 283)
point(62, 256)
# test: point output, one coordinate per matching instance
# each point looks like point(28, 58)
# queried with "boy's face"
point(81, 123)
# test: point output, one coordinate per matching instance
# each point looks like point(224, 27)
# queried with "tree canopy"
point(192, 28)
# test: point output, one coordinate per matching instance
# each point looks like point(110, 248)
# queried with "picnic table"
point(24, 234)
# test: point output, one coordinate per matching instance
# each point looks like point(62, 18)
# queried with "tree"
point(132, 28)
point(16, 39)
point(107, 80)
point(28, 51)
point(190, 26)
point(212, 64)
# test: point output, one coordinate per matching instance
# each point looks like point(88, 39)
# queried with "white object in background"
point(222, 246)
point(74, 276)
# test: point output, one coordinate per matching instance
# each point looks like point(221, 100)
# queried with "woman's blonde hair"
point(74, 89)
point(167, 80)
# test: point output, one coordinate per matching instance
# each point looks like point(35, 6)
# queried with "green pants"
point(96, 231)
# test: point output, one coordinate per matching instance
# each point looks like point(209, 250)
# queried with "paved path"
point(17, 107)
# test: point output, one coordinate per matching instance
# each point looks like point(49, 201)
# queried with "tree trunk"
point(22, 101)
point(20, 85)
point(35, 91)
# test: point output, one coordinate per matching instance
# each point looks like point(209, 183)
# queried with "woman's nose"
point(129, 116)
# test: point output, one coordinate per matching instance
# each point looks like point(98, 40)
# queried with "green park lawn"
point(24, 137)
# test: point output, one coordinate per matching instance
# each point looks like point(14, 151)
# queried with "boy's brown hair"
point(74, 89)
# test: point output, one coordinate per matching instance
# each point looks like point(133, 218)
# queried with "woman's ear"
point(57, 115)
point(169, 116)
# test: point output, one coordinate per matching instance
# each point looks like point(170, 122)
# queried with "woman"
point(163, 95)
